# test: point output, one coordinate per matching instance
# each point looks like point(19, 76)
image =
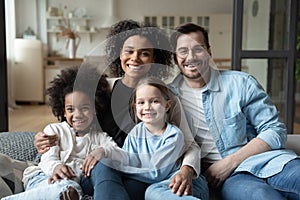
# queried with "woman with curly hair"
point(134, 51)
point(157, 37)
point(75, 96)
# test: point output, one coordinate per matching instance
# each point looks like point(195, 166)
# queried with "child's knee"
point(155, 191)
point(69, 194)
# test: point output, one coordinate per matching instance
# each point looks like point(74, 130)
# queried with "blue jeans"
point(108, 183)
point(284, 185)
point(161, 190)
point(105, 183)
point(136, 189)
point(39, 188)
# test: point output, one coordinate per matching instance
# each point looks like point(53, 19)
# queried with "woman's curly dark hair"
point(122, 30)
point(86, 79)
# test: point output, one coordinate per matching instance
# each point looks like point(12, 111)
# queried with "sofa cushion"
point(293, 143)
point(11, 173)
point(19, 145)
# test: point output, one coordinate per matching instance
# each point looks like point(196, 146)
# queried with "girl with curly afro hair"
point(75, 96)
point(86, 79)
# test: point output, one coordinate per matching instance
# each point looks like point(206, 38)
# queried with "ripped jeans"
point(38, 188)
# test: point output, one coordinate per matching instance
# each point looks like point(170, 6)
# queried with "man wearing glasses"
point(235, 123)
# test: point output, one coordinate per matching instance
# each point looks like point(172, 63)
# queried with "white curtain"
point(10, 37)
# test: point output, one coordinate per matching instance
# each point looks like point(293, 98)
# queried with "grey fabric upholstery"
point(19, 145)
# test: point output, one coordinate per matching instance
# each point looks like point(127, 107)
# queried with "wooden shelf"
point(63, 59)
point(64, 18)
point(60, 20)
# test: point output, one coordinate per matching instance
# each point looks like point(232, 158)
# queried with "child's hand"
point(61, 171)
point(91, 160)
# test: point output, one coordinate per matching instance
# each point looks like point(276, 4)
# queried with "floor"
point(36, 117)
point(30, 118)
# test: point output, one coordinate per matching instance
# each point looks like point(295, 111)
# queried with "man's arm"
point(220, 170)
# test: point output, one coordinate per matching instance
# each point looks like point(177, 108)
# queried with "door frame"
point(3, 72)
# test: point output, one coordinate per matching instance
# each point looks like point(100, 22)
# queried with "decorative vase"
point(72, 48)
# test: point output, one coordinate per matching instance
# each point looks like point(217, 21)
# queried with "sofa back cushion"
point(11, 173)
point(18, 145)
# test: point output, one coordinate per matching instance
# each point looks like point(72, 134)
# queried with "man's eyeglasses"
point(183, 52)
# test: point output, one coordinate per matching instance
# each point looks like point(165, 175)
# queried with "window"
point(203, 21)
point(274, 51)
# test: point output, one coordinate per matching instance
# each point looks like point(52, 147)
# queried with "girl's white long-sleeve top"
point(63, 152)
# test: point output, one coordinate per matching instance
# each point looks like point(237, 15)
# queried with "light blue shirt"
point(237, 109)
point(153, 158)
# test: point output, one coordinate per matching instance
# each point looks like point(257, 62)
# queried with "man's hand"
point(219, 171)
point(222, 169)
point(43, 142)
point(181, 183)
point(61, 171)
point(91, 160)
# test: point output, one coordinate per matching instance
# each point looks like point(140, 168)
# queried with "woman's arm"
point(181, 183)
point(192, 153)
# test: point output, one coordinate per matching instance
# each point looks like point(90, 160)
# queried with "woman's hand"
point(61, 171)
point(91, 160)
point(43, 142)
point(181, 183)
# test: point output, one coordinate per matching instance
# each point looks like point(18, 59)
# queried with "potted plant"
point(72, 40)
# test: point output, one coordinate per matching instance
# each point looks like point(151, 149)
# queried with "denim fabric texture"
point(246, 186)
point(39, 188)
point(237, 109)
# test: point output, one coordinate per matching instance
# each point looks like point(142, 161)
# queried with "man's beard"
point(202, 71)
point(191, 76)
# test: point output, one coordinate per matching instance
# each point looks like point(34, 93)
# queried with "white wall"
point(100, 9)
point(138, 8)
point(26, 16)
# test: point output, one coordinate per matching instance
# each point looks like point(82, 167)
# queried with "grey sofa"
point(17, 152)
point(19, 146)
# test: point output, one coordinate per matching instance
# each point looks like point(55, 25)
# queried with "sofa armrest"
point(293, 143)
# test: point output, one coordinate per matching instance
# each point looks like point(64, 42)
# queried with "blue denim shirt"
point(237, 109)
